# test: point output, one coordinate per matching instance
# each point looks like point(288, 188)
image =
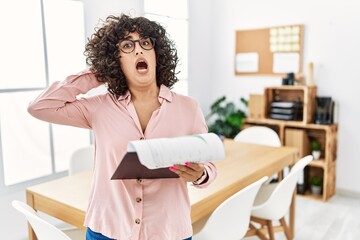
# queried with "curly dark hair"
point(102, 53)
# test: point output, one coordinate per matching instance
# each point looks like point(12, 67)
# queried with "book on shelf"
point(151, 158)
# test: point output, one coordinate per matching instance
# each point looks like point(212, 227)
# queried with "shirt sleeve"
point(59, 104)
point(201, 127)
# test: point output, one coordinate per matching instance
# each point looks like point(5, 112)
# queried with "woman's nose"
point(138, 49)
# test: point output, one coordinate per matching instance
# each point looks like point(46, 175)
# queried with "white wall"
point(96, 10)
point(331, 41)
point(200, 53)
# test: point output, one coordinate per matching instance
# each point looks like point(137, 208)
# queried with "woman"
point(136, 60)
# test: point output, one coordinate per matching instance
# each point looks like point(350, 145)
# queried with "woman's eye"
point(146, 42)
point(127, 45)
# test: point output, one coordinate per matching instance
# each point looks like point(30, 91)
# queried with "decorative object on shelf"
point(324, 113)
point(289, 79)
point(316, 185)
point(286, 110)
point(315, 149)
point(225, 118)
point(301, 184)
point(310, 74)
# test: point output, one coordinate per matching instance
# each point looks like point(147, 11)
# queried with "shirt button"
point(139, 181)
point(138, 199)
point(142, 138)
point(137, 221)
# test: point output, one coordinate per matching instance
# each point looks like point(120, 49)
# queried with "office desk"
point(67, 198)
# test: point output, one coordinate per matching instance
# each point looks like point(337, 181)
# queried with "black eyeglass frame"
point(152, 39)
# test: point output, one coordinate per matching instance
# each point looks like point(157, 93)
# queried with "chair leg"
point(280, 176)
point(261, 236)
point(251, 231)
point(286, 229)
point(266, 226)
point(254, 231)
point(270, 229)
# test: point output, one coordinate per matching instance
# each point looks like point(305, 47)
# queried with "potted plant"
point(225, 118)
point(315, 149)
point(316, 183)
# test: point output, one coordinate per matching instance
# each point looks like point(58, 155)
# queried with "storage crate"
point(304, 96)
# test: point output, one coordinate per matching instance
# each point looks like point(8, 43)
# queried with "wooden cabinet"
point(256, 106)
point(300, 133)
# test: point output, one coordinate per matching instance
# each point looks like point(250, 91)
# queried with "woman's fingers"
point(190, 172)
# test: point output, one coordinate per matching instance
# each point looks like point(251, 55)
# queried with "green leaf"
point(228, 118)
point(235, 120)
point(316, 181)
point(216, 108)
point(217, 103)
point(244, 101)
point(315, 145)
point(229, 108)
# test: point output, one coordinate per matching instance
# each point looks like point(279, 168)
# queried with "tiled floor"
point(337, 219)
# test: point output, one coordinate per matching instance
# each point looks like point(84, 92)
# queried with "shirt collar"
point(164, 93)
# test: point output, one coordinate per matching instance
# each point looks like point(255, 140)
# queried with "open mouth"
point(141, 66)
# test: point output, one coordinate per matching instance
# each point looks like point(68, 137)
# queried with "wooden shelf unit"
point(318, 163)
point(302, 94)
point(300, 134)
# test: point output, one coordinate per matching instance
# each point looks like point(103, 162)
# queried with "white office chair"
point(273, 202)
point(43, 229)
point(259, 135)
point(230, 220)
point(81, 160)
point(262, 136)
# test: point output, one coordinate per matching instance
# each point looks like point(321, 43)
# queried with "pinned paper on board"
point(286, 62)
point(247, 62)
point(285, 39)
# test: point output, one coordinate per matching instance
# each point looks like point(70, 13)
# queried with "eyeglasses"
point(128, 46)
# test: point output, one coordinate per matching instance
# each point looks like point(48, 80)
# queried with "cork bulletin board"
point(272, 51)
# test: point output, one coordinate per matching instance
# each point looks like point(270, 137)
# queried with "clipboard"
point(131, 168)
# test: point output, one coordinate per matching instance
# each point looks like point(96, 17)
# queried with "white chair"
point(259, 135)
point(82, 160)
point(262, 136)
point(43, 229)
point(230, 220)
point(273, 202)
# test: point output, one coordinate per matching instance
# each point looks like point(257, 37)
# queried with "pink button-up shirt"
point(145, 209)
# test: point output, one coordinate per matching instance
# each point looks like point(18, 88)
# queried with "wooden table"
point(67, 198)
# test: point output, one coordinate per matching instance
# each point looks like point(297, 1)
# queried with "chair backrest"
point(81, 160)
point(278, 203)
point(230, 220)
point(42, 229)
point(259, 135)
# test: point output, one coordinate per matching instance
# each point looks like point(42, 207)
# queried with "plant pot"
point(316, 190)
point(316, 154)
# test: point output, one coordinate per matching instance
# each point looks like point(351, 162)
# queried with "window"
point(42, 42)
point(173, 16)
